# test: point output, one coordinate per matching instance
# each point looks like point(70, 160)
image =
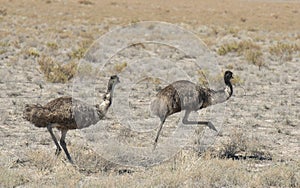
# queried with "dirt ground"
point(257, 146)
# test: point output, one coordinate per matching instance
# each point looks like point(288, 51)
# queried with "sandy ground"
point(264, 109)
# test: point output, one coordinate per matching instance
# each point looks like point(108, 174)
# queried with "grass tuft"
point(32, 52)
point(57, 72)
point(284, 51)
point(251, 51)
point(52, 45)
point(120, 67)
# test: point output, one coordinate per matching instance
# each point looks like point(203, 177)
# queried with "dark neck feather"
point(109, 88)
point(228, 83)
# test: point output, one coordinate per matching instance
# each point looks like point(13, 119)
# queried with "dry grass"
point(255, 57)
point(81, 49)
point(57, 72)
point(52, 45)
point(186, 169)
point(239, 47)
point(32, 52)
point(240, 147)
point(119, 67)
point(12, 177)
point(251, 51)
point(284, 51)
point(85, 2)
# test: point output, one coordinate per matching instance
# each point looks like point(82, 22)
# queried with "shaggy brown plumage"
point(66, 113)
point(185, 95)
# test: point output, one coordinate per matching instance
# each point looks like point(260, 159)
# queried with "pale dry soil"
point(261, 121)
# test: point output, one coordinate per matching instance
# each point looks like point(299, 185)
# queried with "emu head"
point(228, 75)
point(112, 82)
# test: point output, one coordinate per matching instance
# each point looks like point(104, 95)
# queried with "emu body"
point(66, 113)
point(185, 95)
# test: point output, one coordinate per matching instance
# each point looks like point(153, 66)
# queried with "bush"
point(57, 72)
point(284, 51)
point(251, 51)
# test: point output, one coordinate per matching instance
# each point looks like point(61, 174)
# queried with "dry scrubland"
point(42, 41)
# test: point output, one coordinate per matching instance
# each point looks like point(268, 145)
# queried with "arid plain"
point(42, 42)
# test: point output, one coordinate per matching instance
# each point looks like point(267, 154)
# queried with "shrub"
point(120, 66)
point(284, 51)
point(57, 72)
point(52, 45)
point(239, 47)
point(251, 51)
point(255, 57)
point(33, 52)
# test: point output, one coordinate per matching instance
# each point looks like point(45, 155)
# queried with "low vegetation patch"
point(80, 51)
point(32, 52)
point(57, 72)
point(241, 147)
point(284, 51)
point(251, 51)
point(52, 45)
point(120, 66)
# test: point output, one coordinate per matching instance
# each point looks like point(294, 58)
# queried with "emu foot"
point(71, 161)
point(211, 126)
point(207, 123)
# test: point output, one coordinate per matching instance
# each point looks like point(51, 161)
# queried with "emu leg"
point(58, 149)
point(186, 116)
point(64, 145)
point(187, 122)
point(158, 132)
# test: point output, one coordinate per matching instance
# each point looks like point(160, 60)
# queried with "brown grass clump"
point(255, 57)
point(32, 52)
point(120, 66)
point(284, 51)
point(251, 51)
point(241, 147)
point(81, 50)
point(238, 47)
point(56, 72)
point(52, 45)
point(85, 2)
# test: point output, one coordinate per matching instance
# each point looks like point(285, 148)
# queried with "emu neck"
point(229, 87)
point(107, 100)
point(223, 94)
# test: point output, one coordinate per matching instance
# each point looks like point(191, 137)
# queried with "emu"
point(185, 95)
point(66, 113)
